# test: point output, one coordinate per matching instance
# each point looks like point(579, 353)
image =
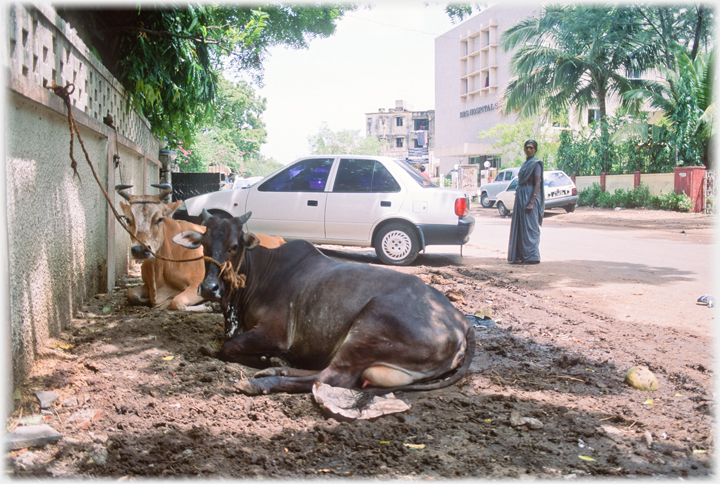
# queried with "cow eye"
point(233, 248)
point(159, 220)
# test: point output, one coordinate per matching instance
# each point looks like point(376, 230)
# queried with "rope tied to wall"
point(227, 273)
point(64, 93)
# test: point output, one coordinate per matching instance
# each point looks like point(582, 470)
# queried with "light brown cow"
point(166, 284)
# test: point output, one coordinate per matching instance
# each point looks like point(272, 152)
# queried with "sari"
point(524, 245)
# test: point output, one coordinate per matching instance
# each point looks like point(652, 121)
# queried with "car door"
point(507, 196)
point(497, 185)
point(364, 191)
point(292, 203)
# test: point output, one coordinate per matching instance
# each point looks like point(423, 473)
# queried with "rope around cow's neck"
point(228, 274)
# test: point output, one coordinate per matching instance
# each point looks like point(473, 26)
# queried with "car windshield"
point(557, 179)
point(421, 179)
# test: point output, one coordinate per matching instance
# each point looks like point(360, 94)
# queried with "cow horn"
point(244, 218)
point(206, 215)
point(122, 191)
point(165, 189)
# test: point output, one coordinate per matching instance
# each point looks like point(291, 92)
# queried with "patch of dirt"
point(147, 404)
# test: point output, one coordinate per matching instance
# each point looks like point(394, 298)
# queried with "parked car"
point(366, 201)
point(489, 191)
point(560, 191)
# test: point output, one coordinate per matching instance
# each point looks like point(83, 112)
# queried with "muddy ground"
point(136, 399)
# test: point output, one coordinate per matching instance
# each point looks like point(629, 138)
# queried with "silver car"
point(560, 191)
point(489, 191)
point(356, 200)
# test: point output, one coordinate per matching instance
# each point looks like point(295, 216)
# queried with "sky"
point(376, 57)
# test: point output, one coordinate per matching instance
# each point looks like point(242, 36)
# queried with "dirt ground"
point(136, 398)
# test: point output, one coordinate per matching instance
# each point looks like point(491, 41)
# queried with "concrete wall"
point(616, 182)
point(657, 183)
point(60, 232)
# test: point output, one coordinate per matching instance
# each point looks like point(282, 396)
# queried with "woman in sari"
point(528, 210)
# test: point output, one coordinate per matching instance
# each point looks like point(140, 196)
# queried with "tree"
point(574, 57)
point(346, 141)
point(238, 116)
point(510, 137)
point(458, 11)
point(169, 58)
point(684, 98)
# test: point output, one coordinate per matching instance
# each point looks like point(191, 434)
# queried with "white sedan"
point(560, 191)
point(356, 200)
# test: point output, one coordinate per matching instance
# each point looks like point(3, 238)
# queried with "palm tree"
point(575, 56)
point(684, 99)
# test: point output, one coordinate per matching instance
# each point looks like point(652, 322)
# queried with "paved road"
point(650, 276)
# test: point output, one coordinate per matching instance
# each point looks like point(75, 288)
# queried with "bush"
point(589, 196)
point(638, 197)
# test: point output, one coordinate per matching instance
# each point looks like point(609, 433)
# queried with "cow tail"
point(434, 385)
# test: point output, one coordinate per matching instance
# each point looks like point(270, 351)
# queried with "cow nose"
point(210, 290)
point(139, 252)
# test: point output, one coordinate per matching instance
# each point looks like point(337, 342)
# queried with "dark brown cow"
point(346, 325)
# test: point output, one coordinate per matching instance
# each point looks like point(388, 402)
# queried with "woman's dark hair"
point(532, 142)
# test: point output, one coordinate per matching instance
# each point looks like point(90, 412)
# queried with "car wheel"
point(504, 212)
point(485, 201)
point(570, 208)
point(397, 244)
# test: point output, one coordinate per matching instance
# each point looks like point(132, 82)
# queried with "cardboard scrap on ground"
point(355, 404)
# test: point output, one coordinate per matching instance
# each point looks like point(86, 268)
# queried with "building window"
point(399, 142)
point(398, 121)
point(421, 124)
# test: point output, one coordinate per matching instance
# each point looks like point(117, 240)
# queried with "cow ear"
point(125, 208)
point(170, 208)
point(189, 239)
point(250, 240)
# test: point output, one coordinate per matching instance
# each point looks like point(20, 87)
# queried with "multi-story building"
point(471, 71)
point(405, 134)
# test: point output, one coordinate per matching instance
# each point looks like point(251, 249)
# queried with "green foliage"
point(169, 57)
point(459, 11)
point(580, 152)
point(639, 197)
point(509, 140)
point(259, 165)
point(346, 141)
point(686, 100)
point(576, 56)
point(237, 116)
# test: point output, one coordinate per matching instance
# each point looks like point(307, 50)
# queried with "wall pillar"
point(602, 181)
point(636, 182)
point(689, 180)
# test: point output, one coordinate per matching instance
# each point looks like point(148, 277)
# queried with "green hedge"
point(638, 197)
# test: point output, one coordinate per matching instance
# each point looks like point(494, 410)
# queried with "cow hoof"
point(249, 388)
point(207, 351)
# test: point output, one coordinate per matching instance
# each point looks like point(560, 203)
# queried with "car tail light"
point(574, 191)
point(462, 207)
